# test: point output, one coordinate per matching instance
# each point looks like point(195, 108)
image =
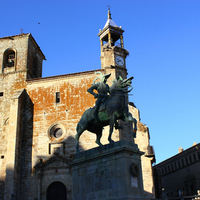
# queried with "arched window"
point(9, 58)
point(56, 191)
point(9, 61)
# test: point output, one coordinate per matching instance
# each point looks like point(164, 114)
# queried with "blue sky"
point(162, 36)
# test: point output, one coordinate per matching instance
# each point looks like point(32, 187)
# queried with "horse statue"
point(114, 108)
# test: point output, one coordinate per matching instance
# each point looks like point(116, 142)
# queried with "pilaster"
point(13, 145)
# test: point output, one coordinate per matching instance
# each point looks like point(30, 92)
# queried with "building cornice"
point(29, 81)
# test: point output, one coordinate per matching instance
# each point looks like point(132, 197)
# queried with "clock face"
point(119, 60)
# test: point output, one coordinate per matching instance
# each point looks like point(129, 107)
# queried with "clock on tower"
point(113, 54)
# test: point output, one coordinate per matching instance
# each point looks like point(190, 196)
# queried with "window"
point(182, 163)
point(1, 94)
point(190, 158)
point(57, 97)
point(168, 168)
point(194, 157)
point(58, 133)
point(199, 154)
point(172, 167)
point(179, 164)
point(186, 161)
point(175, 167)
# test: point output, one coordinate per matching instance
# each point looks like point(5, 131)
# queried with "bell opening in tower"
point(114, 40)
point(9, 58)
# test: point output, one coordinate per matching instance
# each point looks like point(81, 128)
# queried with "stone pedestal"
point(108, 172)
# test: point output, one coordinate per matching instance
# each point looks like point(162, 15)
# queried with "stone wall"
point(142, 140)
point(9, 85)
point(12, 83)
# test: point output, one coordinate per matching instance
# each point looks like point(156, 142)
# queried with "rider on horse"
point(116, 108)
point(103, 90)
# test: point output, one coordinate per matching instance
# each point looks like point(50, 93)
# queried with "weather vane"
point(108, 6)
point(21, 30)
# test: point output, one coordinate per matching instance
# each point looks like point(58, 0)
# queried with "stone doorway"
point(56, 191)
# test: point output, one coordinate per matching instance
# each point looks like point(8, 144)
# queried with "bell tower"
point(20, 54)
point(113, 54)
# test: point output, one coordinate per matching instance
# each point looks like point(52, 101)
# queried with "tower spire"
point(109, 14)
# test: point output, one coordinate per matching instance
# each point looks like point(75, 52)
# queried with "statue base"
point(111, 171)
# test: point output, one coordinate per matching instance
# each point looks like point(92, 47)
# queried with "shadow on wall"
point(148, 195)
point(1, 189)
point(65, 148)
point(56, 163)
point(53, 172)
point(26, 148)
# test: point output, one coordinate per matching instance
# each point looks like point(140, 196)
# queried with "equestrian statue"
point(110, 106)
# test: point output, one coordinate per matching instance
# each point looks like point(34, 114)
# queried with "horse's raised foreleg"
point(112, 122)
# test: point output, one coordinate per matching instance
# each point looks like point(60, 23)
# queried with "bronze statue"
point(103, 89)
point(108, 111)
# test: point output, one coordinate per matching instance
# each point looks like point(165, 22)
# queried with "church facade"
point(39, 116)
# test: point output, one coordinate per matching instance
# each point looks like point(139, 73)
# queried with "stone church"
point(38, 118)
